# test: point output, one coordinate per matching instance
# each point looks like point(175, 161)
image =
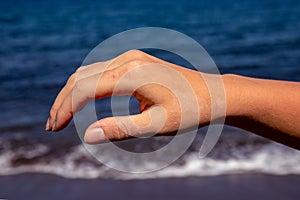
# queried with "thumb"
point(125, 127)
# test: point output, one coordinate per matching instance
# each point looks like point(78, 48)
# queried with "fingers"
point(81, 92)
point(59, 99)
point(81, 73)
point(125, 127)
point(64, 100)
point(87, 71)
point(93, 87)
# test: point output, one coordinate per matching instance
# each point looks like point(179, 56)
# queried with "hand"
point(170, 97)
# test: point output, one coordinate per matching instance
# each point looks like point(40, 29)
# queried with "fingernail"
point(47, 128)
point(95, 135)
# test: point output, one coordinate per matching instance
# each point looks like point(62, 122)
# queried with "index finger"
point(80, 73)
point(93, 87)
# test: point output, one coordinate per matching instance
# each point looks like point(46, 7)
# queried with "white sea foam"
point(269, 158)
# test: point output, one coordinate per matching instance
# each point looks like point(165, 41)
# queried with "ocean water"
point(43, 42)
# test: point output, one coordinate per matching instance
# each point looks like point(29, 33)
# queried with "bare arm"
point(266, 107)
point(269, 108)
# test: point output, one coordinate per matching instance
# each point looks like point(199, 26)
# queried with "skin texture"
point(265, 107)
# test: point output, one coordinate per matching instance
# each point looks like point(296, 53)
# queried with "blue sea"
point(43, 42)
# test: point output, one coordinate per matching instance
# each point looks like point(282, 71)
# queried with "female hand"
point(170, 96)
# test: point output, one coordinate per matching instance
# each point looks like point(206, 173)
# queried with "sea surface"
point(43, 42)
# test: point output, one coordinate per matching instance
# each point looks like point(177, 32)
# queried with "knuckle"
point(117, 135)
point(135, 63)
point(123, 129)
point(134, 54)
point(134, 68)
point(120, 131)
point(132, 64)
point(79, 69)
point(78, 86)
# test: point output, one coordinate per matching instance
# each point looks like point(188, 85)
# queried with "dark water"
point(43, 42)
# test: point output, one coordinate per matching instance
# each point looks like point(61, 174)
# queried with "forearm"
point(266, 107)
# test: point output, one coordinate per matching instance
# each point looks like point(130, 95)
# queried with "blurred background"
point(43, 42)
